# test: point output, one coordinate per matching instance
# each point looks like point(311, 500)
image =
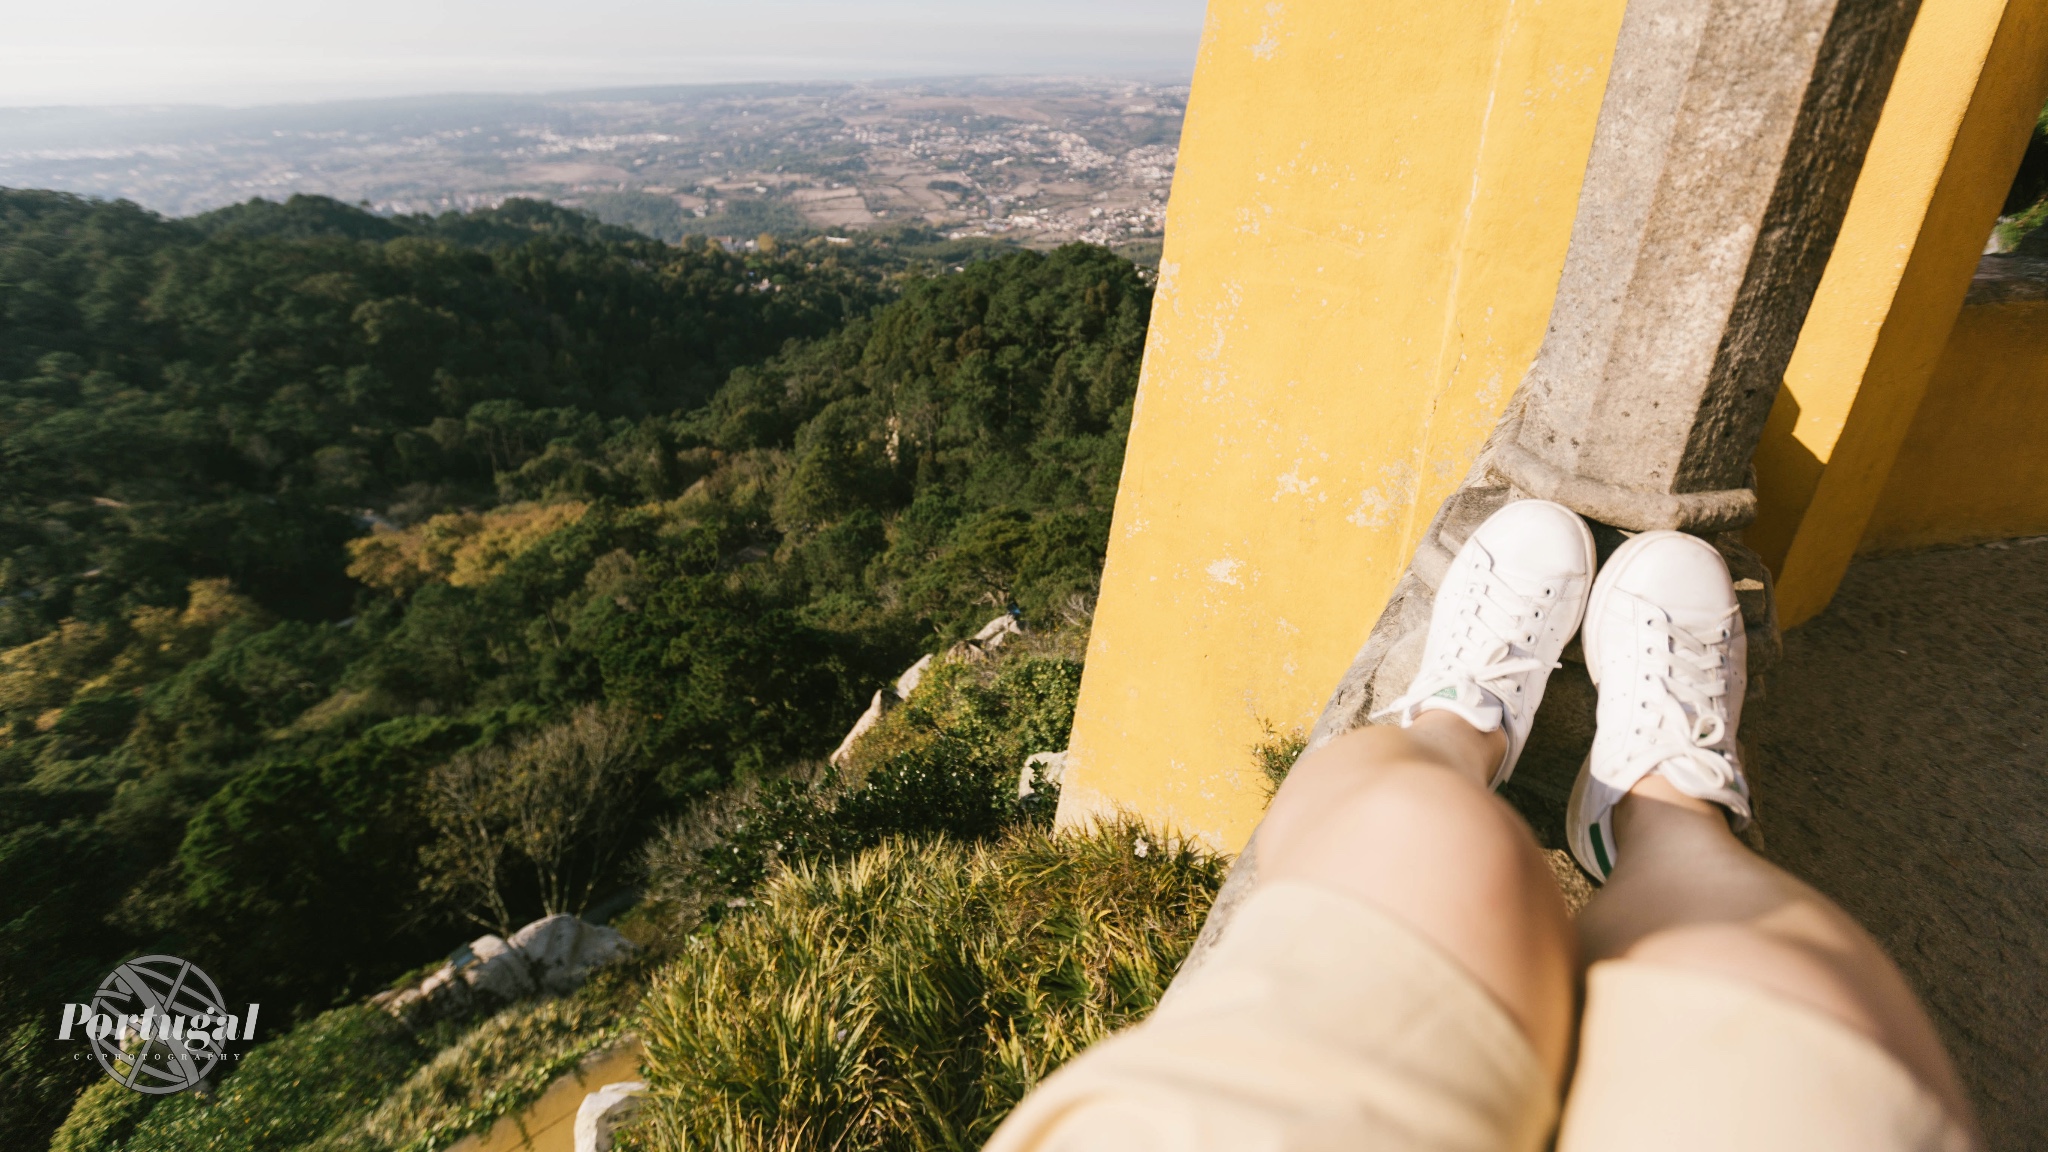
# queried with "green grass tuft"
point(910, 996)
point(1276, 752)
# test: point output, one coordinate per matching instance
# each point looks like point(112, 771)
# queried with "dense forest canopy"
point(302, 504)
point(228, 396)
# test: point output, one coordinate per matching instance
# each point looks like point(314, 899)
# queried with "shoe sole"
point(1591, 841)
point(1592, 554)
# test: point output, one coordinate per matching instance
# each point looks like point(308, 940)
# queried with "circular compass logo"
point(158, 1024)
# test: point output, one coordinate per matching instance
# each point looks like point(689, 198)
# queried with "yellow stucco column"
point(1973, 77)
point(1371, 210)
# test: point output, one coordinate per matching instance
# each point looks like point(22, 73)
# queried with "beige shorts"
point(1321, 1023)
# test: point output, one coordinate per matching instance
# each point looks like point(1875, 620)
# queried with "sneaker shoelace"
point(1684, 719)
point(1492, 618)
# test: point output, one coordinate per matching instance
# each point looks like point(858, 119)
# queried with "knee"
point(1452, 862)
point(1360, 770)
point(1402, 820)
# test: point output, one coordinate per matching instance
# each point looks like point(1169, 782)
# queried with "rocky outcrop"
point(1045, 769)
point(885, 699)
point(551, 956)
point(604, 1112)
point(983, 644)
point(980, 646)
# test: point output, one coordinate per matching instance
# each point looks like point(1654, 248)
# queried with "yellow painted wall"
point(1973, 77)
point(1975, 464)
point(1371, 211)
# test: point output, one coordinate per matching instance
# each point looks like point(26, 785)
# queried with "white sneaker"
point(1508, 605)
point(1664, 642)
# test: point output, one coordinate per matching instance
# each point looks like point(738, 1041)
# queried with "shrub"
point(495, 1069)
point(910, 996)
point(945, 762)
point(356, 1080)
point(297, 880)
point(102, 1118)
point(290, 1091)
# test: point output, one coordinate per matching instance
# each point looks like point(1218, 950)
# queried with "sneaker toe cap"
point(1539, 537)
point(1683, 574)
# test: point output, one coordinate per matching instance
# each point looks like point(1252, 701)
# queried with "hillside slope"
point(307, 514)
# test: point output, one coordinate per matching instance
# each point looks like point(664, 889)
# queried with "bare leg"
point(1687, 894)
point(1402, 819)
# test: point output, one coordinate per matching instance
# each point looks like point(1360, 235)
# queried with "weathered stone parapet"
point(1729, 141)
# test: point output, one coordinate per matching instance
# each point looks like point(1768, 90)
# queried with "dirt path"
point(1902, 768)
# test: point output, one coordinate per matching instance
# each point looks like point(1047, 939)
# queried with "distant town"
point(1040, 162)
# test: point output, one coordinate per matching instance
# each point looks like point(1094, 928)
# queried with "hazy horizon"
point(241, 54)
point(22, 113)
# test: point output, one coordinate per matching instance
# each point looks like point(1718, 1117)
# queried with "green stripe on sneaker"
point(1600, 851)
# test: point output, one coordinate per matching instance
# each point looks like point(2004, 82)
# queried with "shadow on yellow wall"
point(1974, 466)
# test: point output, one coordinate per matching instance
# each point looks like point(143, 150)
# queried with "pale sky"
point(265, 51)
